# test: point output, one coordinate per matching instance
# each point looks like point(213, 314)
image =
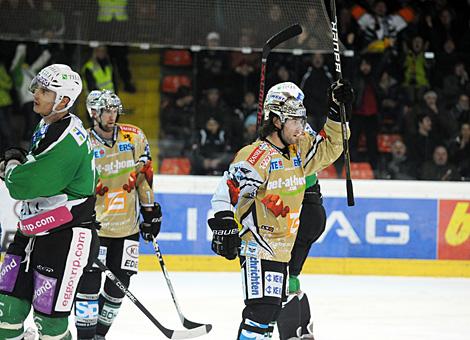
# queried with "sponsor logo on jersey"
point(276, 164)
point(77, 259)
point(125, 146)
point(127, 128)
point(267, 228)
point(99, 153)
point(115, 201)
point(255, 155)
point(254, 277)
point(114, 167)
point(291, 183)
point(249, 248)
point(297, 162)
point(130, 255)
point(79, 135)
point(264, 163)
point(273, 284)
point(87, 310)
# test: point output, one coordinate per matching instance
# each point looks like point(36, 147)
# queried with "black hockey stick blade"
point(169, 333)
point(280, 37)
point(186, 323)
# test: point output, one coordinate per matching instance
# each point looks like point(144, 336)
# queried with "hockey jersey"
point(59, 175)
point(266, 187)
point(125, 180)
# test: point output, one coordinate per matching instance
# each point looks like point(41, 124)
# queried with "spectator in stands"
point(379, 28)
point(177, 118)
point(460, 112)
point(415, 69)
point(400, 166)
point(6, 102)
point(390, 98)
point(281, 73)
point(348, 29)
point(365, 112)
point(422, 144)
point(459, 150)
point(23, 74)
point(248, 107)
point(439, 169)
point(315, 83)
point(443, 124)
point(211, 149)
point(456, 83)
point(443, 29)
point(243, 79)
point(212, 64)
point(97, 72)
point(212, 105)
point(250, 134)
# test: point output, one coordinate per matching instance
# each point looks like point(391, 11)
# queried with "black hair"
point(267, 126)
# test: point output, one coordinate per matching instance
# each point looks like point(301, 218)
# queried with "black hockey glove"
point(16, 155)
point(225, 239)
point(340, 92)
point(150, 227)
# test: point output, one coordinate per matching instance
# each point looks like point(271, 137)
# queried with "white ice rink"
point(343, 307)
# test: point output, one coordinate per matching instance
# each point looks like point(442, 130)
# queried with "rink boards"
point(395, 228)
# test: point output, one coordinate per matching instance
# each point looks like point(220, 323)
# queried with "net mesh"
point(166, 23)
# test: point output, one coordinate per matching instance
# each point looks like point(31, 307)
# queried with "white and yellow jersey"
point(125, 180)
point(266, 187)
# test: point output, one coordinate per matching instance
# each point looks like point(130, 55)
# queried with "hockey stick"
point(344, 130)
point(186, 323)
point(274, 41)
point(169, 333)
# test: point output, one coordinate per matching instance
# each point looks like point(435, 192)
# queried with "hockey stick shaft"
point(344, 129)
point(169, 333)
point(186, 323)
point(274, 41)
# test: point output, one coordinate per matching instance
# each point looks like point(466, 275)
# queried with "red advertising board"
point(454, 230)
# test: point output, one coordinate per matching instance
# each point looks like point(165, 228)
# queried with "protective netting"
point(166, 23)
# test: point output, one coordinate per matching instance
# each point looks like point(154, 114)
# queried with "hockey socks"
point(109, 308)
point(294, 319)
point(13, 312)
point(252, 330)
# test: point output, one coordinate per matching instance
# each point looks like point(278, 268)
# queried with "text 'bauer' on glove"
point(225, 239)
point(12, 156)
point(340, 92)
point(150, 227)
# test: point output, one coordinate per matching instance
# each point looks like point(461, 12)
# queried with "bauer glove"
point(12, 156)
point(150, 227)
point(225, 239)
point(340, 92)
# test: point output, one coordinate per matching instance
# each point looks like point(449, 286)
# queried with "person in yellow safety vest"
point(112, 9)
point(98, 71)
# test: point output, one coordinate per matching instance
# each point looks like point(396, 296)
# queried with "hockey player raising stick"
point(56, 238)
point(123, 161)
point(257, 204)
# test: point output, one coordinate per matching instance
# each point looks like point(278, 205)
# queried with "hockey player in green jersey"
point(257, 204)
point(56, 237)
point(124, 191)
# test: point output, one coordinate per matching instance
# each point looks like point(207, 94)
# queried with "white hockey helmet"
point(107, 100)
point(60, 79)
point(92, 100)
point(286, 101)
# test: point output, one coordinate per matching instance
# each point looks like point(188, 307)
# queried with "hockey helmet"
point(286, 101)
point(60, 79)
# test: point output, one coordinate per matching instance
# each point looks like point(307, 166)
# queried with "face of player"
point(108, 119)
point(293, 130)
point(43, 101)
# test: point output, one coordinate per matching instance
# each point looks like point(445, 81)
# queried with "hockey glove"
point(225, 239)
point(150, 227)
point(340, 92)
point(11, 156)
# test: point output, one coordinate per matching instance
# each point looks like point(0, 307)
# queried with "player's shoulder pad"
point(255, 152)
